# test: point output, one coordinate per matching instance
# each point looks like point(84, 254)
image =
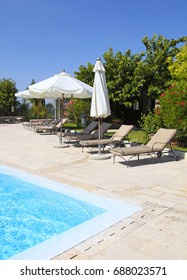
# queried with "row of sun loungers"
point(52, 128)
point(154, 148)
point(36, 122)
point(88, 138)
point(45, 126)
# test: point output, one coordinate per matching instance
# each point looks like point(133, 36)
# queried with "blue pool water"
point(40, 218)
point(30, 214)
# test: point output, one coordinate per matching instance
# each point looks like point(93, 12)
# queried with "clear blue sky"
point(40, 38)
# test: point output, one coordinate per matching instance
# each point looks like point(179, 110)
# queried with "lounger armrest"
point(163, 143)
point(118, 139)
point(84, 143)
point(117, 136)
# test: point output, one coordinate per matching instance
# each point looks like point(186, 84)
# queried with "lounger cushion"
point(117, 138)
point(157, 143)
point(136, 150)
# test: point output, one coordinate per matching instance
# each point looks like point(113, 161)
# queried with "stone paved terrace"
point(158, 231)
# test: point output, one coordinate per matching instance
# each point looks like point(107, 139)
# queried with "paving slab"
point(158, 231)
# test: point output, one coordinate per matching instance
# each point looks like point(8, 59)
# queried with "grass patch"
point(137, 136)
point(179, 148)
point(69, 125)
point(134, 136)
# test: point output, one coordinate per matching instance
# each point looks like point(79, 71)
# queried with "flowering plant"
point(76, 109)
point(173, 106)
point(171, 113)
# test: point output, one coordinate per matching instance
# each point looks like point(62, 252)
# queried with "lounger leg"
point(114, 158)
point(176, 157)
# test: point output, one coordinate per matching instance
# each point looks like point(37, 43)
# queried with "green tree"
point(122, 82)
point(50, 110)
point(24, 109)
point(178, 66)
point(133, 76)
point(154, 67)
point(7, 96)
point(137, 77)
point(86, 74)
point(38, 109)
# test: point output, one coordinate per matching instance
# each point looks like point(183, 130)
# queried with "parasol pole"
point(99, 142)
point(61, 114)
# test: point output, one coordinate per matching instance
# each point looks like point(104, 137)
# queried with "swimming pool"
point(40, 218)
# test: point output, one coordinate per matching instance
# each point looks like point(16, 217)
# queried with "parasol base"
point(100, 157)
point(63, 145)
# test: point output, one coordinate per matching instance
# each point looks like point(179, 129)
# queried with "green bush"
point(150, 123)
point(173, 104)
point(76, 109)
point(172, 112)
point(38, 110)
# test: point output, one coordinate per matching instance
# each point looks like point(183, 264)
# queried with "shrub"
point(76, 109)
point(173, 104)
point(150, 123)
point(38, 110)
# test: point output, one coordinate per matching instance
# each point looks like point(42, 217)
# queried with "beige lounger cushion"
point(157, 143)
point(104, 127)
point(117, 138)
point(88, 130)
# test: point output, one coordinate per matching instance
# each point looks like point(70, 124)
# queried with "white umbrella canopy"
point(100, 106)
point(25, 94)
point(61, 84)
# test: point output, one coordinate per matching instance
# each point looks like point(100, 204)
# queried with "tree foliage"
point(86, 74)
point(122, 82)
point(154, 66)
point(7, 96)
point(130, 77)
point(38, 108)
point(178, 67)
point(133, 76)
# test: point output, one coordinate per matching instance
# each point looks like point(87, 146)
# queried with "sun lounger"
point(104, 127)
point(68, 136)
point(115, 140)
point(40, 128)
point(153, 148)
point(33, 123)
point(53, 128)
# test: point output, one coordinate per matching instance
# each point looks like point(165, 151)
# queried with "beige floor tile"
point(158, 231)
